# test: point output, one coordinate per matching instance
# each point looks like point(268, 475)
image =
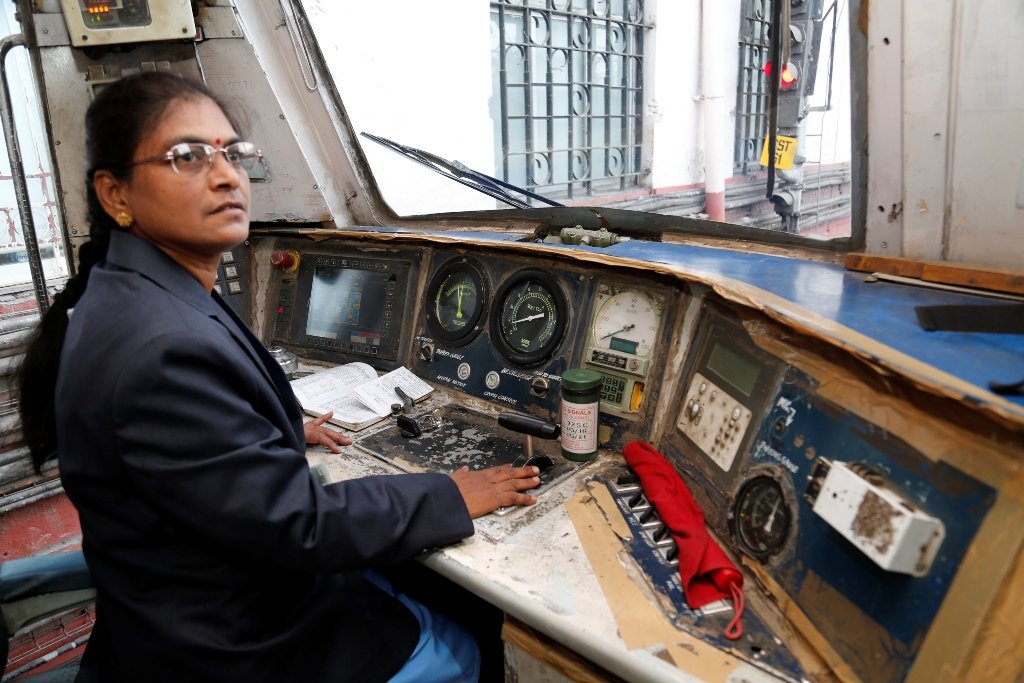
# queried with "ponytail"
point(37, 376)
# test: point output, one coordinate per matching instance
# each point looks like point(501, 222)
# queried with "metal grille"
point(752, 86)
point(19, 482)
point(568, 75)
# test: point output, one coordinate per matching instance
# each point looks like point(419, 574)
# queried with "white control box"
point(885, 527)
point(117, 22)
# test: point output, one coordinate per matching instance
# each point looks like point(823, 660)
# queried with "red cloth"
point(701, 560)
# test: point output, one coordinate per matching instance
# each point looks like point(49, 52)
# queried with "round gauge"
point(529, 317)
point(627, 322)
point(762, 517)
point(457, 297)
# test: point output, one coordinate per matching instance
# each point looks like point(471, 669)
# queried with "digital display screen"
point(115, 13)
point(347, 305)
point(624, 345)
point(737, 369)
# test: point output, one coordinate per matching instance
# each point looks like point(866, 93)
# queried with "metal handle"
point(531, 426)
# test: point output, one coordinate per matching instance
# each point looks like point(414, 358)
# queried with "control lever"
point(530, 427)
point(412, 427)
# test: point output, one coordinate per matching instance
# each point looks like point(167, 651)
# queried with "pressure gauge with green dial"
point(529, 317)
point(456, 301)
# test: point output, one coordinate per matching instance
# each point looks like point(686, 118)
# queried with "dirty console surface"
point(464, 437)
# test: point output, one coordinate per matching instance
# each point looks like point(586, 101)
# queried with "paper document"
point(380, 395)
point(355, 394)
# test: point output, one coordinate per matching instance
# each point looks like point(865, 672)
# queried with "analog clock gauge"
point(529, 317)
point(457, 297)
point(627, 322)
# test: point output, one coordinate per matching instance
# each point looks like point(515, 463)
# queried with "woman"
point(217, 556)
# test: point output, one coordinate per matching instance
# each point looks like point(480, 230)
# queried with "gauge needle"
point(529, 317)
point(458, 311)
point(627, 328)
point(771, 518)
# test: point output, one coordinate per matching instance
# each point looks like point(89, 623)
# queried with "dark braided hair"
point(115, 123)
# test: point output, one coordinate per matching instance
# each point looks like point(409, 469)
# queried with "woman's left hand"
point(319, 435)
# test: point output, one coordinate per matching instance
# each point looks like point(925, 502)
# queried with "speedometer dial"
point(627, 322)
point(530, 317)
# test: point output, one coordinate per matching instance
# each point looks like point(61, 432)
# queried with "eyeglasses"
point(191, 158)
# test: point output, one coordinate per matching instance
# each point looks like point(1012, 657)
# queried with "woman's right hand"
point(487, 490)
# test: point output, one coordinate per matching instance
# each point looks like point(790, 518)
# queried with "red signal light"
point(789, 75)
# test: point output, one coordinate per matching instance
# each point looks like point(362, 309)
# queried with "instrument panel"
point(854, 524)
point(502, 330)
point(851, 523)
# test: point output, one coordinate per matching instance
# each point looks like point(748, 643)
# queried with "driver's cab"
point(798, 286)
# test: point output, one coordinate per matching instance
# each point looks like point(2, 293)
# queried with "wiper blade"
point(460, 173)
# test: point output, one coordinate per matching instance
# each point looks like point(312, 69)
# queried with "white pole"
point(716, 159)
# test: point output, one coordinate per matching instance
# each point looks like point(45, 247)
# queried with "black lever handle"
point(409, 427)
point(532, 426)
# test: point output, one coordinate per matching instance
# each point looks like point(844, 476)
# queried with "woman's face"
point(192, 217)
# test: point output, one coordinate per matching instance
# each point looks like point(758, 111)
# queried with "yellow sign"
point(785, 152)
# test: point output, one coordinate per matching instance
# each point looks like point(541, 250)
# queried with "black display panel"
point(345, 305)
point(738, 369)
point(728, 387)
point(352, 306)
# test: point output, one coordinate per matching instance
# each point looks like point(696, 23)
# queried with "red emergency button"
point(287, 260)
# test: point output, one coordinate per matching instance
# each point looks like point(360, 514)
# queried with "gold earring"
point(123, 219)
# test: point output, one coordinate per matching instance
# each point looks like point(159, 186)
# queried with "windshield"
point(596, 103)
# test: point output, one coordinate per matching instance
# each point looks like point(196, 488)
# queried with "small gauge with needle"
point(529, 317)
point(761, 517)
point(458, 297)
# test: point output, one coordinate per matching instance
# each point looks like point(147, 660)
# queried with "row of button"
point(356, 264)
point(230, 275)
point(368, 349)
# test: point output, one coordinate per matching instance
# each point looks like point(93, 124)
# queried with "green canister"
point(581, 394)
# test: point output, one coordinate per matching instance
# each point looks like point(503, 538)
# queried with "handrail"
point(35, 262)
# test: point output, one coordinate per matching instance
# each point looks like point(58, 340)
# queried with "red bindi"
point(217, 141)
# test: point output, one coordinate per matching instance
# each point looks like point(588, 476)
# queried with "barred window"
point(568, 89)
point(752, 86)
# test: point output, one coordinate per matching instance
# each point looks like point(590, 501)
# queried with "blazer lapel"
point(269, 368)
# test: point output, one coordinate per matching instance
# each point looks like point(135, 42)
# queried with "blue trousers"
point(445, 653)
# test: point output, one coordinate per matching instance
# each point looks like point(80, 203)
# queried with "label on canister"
point(579, 427)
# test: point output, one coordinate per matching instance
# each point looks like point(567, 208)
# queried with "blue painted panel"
point(902, 606)
point(513, 390)
point(883, 311)
point(758, 646)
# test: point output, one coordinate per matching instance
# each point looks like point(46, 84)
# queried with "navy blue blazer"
point(217, 556)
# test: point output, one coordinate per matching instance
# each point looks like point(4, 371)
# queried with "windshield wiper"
point(460, 173)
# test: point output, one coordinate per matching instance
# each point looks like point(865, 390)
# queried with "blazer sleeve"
point(204, 437)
